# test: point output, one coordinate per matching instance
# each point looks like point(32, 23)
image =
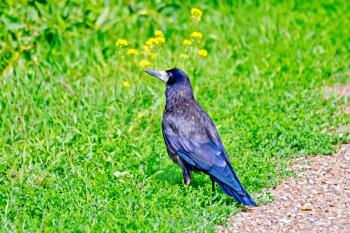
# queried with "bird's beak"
point(162, 75)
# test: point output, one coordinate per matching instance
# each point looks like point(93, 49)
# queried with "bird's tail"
point(227, 179)
point(243, 197)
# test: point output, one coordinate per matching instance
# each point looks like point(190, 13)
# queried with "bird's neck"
point(178, 96)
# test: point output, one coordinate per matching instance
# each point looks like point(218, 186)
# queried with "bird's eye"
point(171, 79)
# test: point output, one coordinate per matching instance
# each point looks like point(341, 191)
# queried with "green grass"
point(75, 156)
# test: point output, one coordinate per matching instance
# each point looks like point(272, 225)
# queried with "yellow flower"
point(145, 48)
point(197, 35)
point(133, 52)
point(187, 42)
point(196, 14)
point(203, 53)
point(155, 41)
point(160, 40)
point(126, 84)
point(140, 115)
point(151, 41)
point(122, 43)
point(144, 63)
point(153, 55)
point(158, 33)
point(183, 56)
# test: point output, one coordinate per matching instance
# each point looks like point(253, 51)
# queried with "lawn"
point(81, 147)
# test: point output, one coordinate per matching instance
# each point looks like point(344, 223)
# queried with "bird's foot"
point(187, 181)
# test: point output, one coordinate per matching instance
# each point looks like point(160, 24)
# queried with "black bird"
point(191, 138)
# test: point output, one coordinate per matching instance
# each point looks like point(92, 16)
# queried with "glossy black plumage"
point(192, 140)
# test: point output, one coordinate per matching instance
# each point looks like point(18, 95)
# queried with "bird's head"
point(177, 82)
point(170, 77)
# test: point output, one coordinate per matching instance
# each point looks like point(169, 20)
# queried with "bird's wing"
point(188, 138)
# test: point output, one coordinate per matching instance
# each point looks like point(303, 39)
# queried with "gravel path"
point(341, 90)
point(317, 201)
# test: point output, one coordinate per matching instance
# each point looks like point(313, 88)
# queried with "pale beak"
point(162, 75)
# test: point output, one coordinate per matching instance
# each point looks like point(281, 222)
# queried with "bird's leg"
point(212, 185)
point(186, 172)
point(187, 176)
